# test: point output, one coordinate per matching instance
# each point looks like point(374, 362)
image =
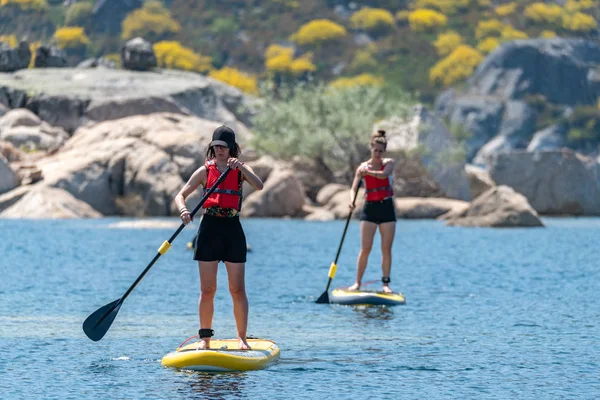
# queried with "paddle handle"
point(167, 244)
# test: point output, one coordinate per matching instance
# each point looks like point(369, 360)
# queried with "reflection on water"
point(382, 313)
point(213, 385)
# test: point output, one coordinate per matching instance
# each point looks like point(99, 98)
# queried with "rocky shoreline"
point(91, 142)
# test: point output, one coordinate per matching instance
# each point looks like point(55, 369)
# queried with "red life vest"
point(377, 189)
point(229, 192)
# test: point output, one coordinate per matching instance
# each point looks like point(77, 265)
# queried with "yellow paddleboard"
point(224, 356)
point(366, 297)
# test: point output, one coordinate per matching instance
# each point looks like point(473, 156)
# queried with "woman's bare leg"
point(208, 288)
point(237, 288)
point(367, 233)
point(387, 231)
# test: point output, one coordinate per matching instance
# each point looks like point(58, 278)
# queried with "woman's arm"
point(251, 178)
point(198, 178)
point(388, 169)
point(357, 177)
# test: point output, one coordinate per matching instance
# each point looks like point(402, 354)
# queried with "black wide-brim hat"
point(223, 136)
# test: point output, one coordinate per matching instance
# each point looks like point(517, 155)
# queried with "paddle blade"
point(324, 299)
point(98, 323)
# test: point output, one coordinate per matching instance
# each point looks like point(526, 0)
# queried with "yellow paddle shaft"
point(164, 247)
point(332, 270)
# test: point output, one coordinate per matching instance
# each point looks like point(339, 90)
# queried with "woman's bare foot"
point(243, 344)
point(386, 289)
point(203, 344)
point(356, 286)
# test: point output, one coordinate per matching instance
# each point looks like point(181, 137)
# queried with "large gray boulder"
point(73, 97)
point(426, 208)
point(23, 129)
point(43, 202)
point(131, 166)
point(493, 105)
point(550, 138)
point(13, 59)
point(138, 55)
point(49, 57)
point(480, 180)
point(499, 207)
point(8, 178)
point(554, 182)
point(516, 128)
point(282, 196)
point(538, 66)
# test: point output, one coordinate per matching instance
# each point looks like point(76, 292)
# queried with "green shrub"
point(331, 126)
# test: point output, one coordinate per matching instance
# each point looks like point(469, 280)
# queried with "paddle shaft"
point(177, 232)
point(339, 250)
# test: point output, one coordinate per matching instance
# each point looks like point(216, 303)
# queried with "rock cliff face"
point(72, 97)
point(495, 108)
point(554, 182)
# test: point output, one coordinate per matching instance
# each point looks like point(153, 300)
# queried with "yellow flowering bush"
point(491, 27)
point(425, 20)
point(231, 76)
point(302, 65)
point(447, 42)
point(544, 13)
point(448, 7)
point(279, 58)
point(153, 21)
point(488, 45)
point(364, 59)
point(575, 5)
point(506, 10)
point(402, 17)
point(72, 37)
point(510, 33)
point(358, 80)
point(10, 40)
point(171, 54)
point(547, 34)
point(579, 22)
point(318, 31)
point(459, 65)
point(37, 5)
point(372, 19)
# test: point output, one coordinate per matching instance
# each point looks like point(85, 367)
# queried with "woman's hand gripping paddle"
point(98, 323)
point(324, 298)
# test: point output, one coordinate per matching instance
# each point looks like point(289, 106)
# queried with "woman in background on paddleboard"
point(378, 210)
point(220, 236)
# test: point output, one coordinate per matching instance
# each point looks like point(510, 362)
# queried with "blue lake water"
point(489, 314)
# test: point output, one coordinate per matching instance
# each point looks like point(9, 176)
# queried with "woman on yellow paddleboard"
point(220, 236)
point(378, 210)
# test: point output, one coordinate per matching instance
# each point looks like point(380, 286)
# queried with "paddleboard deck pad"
point(223, 356)
point(366, 297)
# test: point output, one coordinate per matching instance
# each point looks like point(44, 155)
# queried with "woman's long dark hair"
point(235, 152)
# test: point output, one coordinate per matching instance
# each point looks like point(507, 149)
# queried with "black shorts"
point(379, 212)
point(220, 239)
